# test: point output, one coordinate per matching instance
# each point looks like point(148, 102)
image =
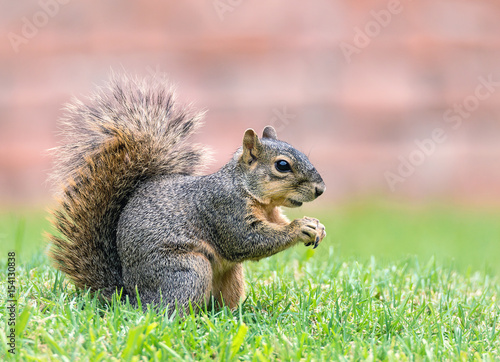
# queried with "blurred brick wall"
point(357, 82)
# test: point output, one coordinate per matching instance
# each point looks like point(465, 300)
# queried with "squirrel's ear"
point(269, 132)
point(251, 146)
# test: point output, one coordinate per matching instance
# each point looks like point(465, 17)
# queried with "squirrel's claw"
point(312, 231)
point(316, 243)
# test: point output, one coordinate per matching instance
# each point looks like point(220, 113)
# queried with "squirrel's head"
point(276, 173)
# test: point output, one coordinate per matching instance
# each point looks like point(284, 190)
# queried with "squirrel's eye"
point(283, 166)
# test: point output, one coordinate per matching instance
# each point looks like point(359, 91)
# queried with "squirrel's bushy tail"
point(129, 131)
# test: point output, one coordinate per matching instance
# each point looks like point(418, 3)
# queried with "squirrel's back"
point(129, 131)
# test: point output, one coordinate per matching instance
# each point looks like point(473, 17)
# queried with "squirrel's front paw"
point(310, 231)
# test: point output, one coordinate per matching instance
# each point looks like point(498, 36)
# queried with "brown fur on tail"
point(128, 132)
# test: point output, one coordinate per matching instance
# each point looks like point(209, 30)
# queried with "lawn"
point(387, 283)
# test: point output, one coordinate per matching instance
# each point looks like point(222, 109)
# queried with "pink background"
point(245, 65)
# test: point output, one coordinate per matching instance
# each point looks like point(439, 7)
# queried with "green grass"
point(428, 293)
point(465, 239)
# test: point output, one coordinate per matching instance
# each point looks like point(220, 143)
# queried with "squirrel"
point(135, 216)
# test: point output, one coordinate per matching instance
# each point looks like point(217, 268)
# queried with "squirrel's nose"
point(319, 190)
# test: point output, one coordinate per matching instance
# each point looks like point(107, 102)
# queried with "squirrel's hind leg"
point(176, 281)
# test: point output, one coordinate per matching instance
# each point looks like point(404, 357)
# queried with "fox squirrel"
point(134, 215)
